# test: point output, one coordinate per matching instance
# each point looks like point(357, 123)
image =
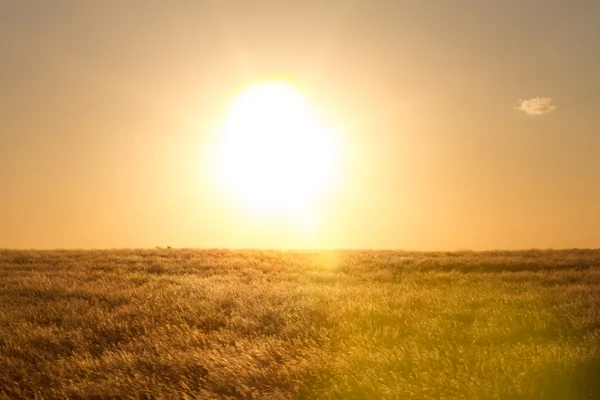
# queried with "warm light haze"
point(418, 125)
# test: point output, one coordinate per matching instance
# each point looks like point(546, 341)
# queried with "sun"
point(274, 154)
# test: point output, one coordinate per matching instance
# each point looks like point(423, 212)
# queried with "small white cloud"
point(536, 105)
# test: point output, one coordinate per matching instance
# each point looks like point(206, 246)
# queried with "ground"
point(168, 323)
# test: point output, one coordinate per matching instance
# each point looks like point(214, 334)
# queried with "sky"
point(467, 124)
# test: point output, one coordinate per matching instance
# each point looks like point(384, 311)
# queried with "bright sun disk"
point(274, 154)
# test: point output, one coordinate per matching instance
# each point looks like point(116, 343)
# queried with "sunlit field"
point(166, 323)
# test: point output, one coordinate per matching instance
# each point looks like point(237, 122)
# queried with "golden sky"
point(461, 124)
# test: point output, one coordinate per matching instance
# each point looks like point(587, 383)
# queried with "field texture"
point(142, 324)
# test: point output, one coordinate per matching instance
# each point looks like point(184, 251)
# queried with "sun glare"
point(275, 155)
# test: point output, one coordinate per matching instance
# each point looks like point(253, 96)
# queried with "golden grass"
point(141, 324)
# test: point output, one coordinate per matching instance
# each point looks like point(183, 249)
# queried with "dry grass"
point(140, 324)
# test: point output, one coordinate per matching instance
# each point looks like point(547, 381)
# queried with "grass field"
point(141, 324)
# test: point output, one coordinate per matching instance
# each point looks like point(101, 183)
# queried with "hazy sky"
point(466, 124)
